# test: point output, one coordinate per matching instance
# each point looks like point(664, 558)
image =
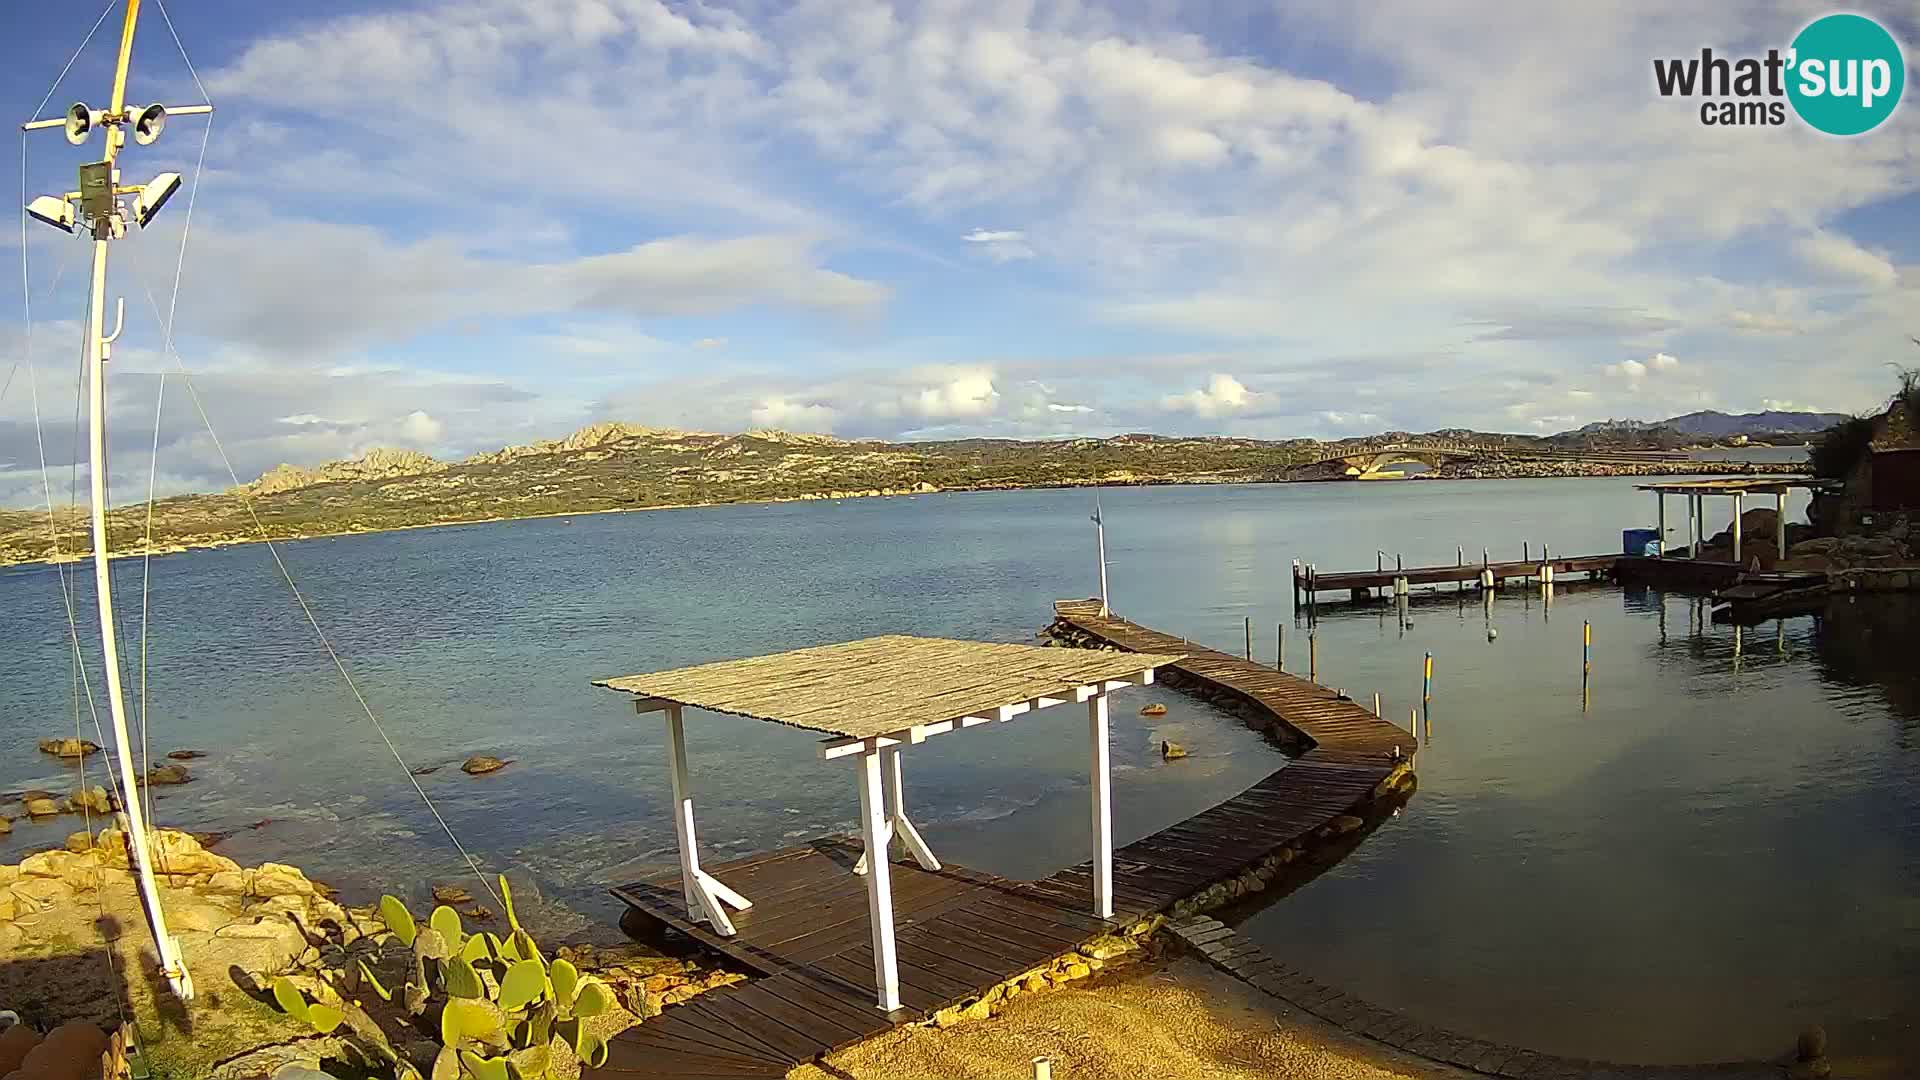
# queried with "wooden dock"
point(806, 941)
point(1360, 584)
point(1318, 715)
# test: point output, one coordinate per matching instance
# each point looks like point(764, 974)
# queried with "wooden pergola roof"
point(882, 685)
point(1741, 485)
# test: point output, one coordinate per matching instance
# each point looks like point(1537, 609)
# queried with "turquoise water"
point(1714, 851)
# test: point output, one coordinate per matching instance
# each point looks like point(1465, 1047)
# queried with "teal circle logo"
point(1845, 74)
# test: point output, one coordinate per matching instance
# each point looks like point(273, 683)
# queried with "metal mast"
point(99, 207)
point(1100, 531)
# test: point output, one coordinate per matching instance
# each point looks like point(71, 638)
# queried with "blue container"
point(1640, 542)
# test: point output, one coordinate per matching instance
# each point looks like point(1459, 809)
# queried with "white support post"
point(1736, 528)
point(873, 814)
point(903, 829)
point(1693, 526)
point(706, 897)
point(898, 827)
point(1780, 523)
point(1661, 525)
point(1102, 776)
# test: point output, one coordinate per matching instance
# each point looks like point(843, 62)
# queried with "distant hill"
point(1709, 424)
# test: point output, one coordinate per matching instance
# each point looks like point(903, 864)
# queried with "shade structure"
point(873, 698)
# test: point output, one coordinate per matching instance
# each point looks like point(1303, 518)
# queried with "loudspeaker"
point(148, 123)
point(80, 120)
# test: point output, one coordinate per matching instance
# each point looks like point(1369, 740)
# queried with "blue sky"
point(457, 226)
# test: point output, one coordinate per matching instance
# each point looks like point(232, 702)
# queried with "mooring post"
point(1426, 681)
point(1413, 723)
point(1661, 524)
point(1780, 524)
point(1249, 637)
point(1313, 657)
point(1376, 703)
point(1280, 646)
point(1526, 551)
point(1736, 528)
point(1379, 561)
point(1586, 648)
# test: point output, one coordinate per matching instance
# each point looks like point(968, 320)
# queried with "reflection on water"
point(1703, 859)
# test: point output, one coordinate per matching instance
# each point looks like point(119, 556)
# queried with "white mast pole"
point(171, 963)
point(1100, 532)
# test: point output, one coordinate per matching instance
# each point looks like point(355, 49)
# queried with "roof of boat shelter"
point(1737, 485)
point(882, 685)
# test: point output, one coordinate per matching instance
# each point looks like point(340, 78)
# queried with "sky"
point(463, 225)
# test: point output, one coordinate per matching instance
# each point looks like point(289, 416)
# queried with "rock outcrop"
point(380, 463)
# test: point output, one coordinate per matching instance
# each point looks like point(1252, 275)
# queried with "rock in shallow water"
point(1172, 751)
point(168, 774)
point(481, 764)
point(69, 748)
point(186, 755)
point(1155, 709)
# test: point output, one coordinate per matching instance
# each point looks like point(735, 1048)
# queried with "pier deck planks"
point(960, 931)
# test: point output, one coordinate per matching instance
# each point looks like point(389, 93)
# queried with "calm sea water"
point(1722, 845)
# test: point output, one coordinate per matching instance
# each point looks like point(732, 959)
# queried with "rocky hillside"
point(613, 466)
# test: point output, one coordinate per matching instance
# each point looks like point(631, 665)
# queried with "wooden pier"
point(806, 940)
point(1360, 584)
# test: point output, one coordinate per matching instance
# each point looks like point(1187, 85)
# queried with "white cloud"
point(1222, 395)
point(1055, 406)
point(787, 415)
point(1000, 245)
point(1636, 371)
point(711, 343)
point(1837, 256)
point(421, 429)
point(966, 394)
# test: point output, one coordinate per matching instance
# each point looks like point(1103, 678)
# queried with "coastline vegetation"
point(612, 467)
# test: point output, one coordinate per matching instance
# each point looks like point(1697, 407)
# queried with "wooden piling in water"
point(1376, 703)
point(1280, 646)
point(1249, 637)
point(1426, 681)
point(1313, 657)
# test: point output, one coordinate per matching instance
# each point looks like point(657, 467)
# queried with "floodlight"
point(154, 196)
point(81, 120)
point(55, 212)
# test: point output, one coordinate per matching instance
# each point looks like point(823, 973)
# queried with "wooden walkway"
point(1329, 722)
point(806, 940)
point(1308, 582)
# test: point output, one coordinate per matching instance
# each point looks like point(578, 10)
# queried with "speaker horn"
point(148, 123)
point(80, 121)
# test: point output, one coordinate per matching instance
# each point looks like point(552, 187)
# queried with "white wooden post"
point(1662, 524)
point(1736, 528)
point(1780, 523)
point(1102, 807)
point(1693, 526)
point(903, 829)
point(873, 815)
point(705, 896)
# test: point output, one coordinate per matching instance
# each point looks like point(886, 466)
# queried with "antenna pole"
point(1100, 531)
point(98, 352)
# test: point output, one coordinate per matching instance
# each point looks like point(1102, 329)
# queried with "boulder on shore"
point(481, 764)
point(167, 774)
point(41, 808)
point(69, 748)
point(93, 800)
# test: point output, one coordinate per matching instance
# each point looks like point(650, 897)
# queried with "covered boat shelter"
point(1737, 488)
point(873, 699)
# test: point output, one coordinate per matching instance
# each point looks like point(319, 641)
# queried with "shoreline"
point(1592, 472)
